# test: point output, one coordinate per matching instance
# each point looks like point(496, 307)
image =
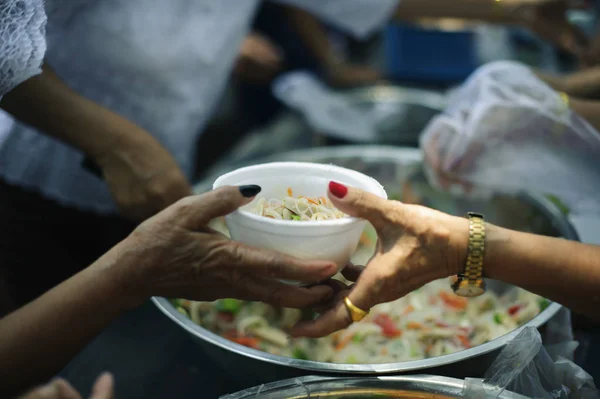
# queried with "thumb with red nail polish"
point(359, 203)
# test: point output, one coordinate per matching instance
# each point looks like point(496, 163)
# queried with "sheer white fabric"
point(161, 64)
point(22, 41)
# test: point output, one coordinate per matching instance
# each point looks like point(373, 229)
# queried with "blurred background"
point(402, 73)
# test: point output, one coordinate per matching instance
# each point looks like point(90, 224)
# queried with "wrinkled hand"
point(348, 75)
point(184, 258)
point(142, 176)
point(548, 19)
point(416, 245)
point(259, 60)
point(61, 389)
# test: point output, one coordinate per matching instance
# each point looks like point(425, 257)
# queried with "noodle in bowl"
point(301, 209)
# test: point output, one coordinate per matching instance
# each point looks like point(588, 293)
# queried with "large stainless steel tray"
point(400, 171)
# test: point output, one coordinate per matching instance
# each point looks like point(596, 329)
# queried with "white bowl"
point(332, 240)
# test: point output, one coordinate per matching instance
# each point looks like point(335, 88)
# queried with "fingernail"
point(337, 189)
point(250, 190)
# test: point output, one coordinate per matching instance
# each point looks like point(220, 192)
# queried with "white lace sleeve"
point(22, 41)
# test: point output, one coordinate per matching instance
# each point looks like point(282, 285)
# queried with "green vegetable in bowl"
point(543, 303)
point(183, 311)
point(177, 302)
point(229, 305)
point(498, 319)
point(358, 338)
point(298, 353)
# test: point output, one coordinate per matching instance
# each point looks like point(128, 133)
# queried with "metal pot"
point(416, 386)
point(400, 115)
point(397, 169)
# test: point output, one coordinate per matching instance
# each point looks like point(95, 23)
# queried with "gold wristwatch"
point(471, 283)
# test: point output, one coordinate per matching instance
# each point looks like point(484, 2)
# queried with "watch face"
point(469, 291)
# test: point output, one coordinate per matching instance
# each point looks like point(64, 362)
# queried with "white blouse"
point(161, 64)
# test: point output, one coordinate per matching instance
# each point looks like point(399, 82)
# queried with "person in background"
point(335, 69)
point(417, 245)
point(302, 42)
point(173, 254)
point(286, 38)
point(546, 18)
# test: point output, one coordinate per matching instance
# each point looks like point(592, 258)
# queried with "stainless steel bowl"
point(394, 168)
point(416, 386)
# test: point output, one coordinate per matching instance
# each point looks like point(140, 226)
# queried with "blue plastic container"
point(415, 53)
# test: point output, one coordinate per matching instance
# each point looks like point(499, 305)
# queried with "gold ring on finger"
point(356, 313)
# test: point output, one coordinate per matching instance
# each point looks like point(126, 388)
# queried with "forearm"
point(588, 109)
point(480, 10)
point(313, 34)
point(564, 271)
point(39, 339)
point(557, 83)
point(583, 84)
point(48, 104)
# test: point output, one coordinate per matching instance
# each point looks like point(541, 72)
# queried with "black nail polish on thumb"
point(250, 190)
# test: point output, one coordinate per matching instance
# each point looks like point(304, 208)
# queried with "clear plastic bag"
point(526, 367)
point(505, 130)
